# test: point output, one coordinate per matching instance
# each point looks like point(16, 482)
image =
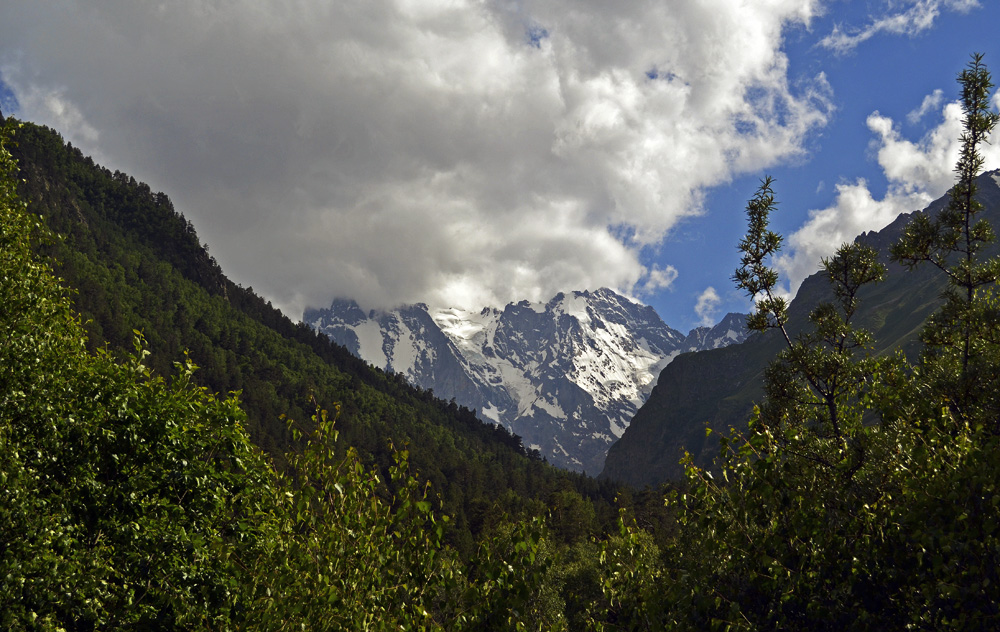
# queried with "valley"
point(176, 453)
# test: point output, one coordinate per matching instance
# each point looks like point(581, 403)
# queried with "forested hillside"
point(135, 264)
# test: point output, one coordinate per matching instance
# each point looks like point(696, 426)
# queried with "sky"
point(465, 153)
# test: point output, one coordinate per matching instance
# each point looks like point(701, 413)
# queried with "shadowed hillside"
point(717, 389)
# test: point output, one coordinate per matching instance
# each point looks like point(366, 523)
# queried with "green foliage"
point(817, 389)
point(953, 521)
point(956, 230)
point(346, 554)
point(631, 581)
point(777, 541)
point(862, 495)
point(123, 495)
point(759, 246)
point(958, 364)
point(814, 387)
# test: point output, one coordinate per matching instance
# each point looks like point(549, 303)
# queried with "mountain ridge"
point(716, 389)
point(566, 375)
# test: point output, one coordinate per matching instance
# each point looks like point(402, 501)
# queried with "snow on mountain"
point(566, 375)
point(730, 330)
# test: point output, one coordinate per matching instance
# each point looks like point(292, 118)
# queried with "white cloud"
point(854, 212)
point(902, 17)
point(455, 152)
point(931, 103)
point(917, 173)
point(707, 306)
point(52, 106)
point(657, 278)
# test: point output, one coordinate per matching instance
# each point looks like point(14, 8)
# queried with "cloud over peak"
point(707, 306)
point(457, 153)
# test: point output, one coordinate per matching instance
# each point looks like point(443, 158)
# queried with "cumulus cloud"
point(454, 152)
point(707, 306)
point(657, 278)
point(53, 106)
point(931, 103)
point(902, 17)
point(917, 173)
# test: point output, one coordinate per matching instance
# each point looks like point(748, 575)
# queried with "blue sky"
point(889, 73)
point(473, 152)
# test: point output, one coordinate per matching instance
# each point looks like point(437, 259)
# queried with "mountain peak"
point(566, 375)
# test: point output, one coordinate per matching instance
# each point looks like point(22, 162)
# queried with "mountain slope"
point(717, 389)
point(566, 375)
point(136, 264)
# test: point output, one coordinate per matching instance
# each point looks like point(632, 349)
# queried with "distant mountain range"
point(717, 389)
point(567, 375)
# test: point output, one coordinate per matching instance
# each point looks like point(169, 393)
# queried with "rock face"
point(717, 389)
point(566, 375)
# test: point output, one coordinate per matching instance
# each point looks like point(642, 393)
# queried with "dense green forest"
point(862, 496)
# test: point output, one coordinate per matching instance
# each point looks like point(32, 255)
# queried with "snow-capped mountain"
point(730, 330)
point(567, 375)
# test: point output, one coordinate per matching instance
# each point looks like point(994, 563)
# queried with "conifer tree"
point(957, 360)
point(815, 382)
point(863, 496)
